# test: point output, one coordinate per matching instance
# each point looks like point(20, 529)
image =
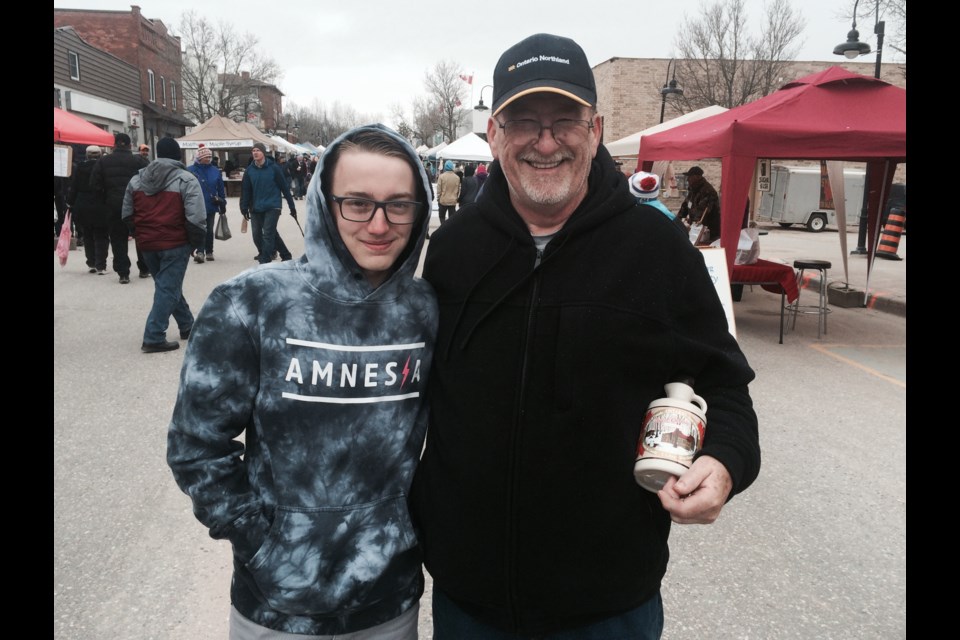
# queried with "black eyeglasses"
point(357, 209)
point(564, 131)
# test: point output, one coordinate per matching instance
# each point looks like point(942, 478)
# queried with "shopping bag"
point(63, 244)
point(222, 232)
point(699, 234)
point(748, 247)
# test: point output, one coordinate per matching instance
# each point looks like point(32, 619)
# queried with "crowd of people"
point(344, 423)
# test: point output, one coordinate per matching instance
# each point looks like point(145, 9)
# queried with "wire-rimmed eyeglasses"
point(564, 131)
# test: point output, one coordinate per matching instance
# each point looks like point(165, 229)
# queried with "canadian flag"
point(467, 79)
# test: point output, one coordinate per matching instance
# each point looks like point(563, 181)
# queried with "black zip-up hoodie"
point(525, 498)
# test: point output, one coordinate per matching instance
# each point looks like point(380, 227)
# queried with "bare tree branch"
point(221, 69)
point(447, 93)
point(720, 63)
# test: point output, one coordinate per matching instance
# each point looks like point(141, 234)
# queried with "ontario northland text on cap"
point(543, 62)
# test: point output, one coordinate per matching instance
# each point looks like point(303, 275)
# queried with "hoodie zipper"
point(514, 448)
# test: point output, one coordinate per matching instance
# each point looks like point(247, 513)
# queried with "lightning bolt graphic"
point(406, 372)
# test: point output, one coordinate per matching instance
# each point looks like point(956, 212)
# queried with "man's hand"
point(245, 214)
point(293, 213)
point(698, 495)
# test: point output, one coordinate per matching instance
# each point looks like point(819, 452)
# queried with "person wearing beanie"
point(214, 197)
point(90, 212)
point(110, 177)
point(565, 309)
point(448, 192)
point(163, 209)
point(481, 173)
point(261, 191)
point(145, 151)
point(645, 187)
point(320, 367)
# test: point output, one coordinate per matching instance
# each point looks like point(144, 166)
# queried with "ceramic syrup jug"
point(673, 430)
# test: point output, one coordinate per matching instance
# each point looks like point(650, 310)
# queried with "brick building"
point(156, 55)
point(628, 89)
point(263, 102)
point(629, 99)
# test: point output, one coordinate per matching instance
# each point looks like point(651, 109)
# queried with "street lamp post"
point(851, 49)
point(669, 88)
point(480, 106)
point(290, 123)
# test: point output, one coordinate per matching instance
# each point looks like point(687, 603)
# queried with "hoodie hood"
point(155, 177)
point(329, 262)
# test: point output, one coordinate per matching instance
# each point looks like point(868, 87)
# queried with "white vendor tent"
point(629, 147)
point(315, 149)
point(222, 133)
point(432, 152)
point(285, 146)
point(469, 148)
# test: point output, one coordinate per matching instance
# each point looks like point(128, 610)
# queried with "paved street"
point(815, 549)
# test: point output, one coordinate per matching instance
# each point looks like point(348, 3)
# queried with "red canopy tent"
point(68, 128)
point(830, 115)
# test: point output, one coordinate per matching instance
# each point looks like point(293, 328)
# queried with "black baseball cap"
point(543, 62)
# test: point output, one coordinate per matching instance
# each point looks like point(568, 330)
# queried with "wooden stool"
point(820, 309)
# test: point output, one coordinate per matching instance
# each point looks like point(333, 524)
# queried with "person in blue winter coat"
point(214, 196)
point(301, 411)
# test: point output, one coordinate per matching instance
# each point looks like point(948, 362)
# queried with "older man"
point(702, 203)
point(214, 197)
point(565, 306)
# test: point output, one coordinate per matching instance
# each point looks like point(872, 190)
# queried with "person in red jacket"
point(163, 209)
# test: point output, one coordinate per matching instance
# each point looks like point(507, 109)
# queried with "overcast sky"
point(370, 54)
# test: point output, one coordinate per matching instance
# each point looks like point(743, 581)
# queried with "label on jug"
point(671, 437)
point(671, 433)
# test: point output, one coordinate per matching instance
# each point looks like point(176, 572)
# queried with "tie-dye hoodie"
point(298, 424)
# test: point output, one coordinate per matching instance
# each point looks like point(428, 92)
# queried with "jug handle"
point(697, 400)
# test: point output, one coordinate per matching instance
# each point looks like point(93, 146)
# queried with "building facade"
point(629, 99)
point(262, 103)
point(95, 85)
point(151, 50)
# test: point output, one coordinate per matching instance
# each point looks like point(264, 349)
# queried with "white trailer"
point(794, 198)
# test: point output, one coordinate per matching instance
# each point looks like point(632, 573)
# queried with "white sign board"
point(218, 144)
point(716, 260)
point(62, 161)
point(763, 175)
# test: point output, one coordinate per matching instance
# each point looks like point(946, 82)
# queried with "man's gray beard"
point(541, 193)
